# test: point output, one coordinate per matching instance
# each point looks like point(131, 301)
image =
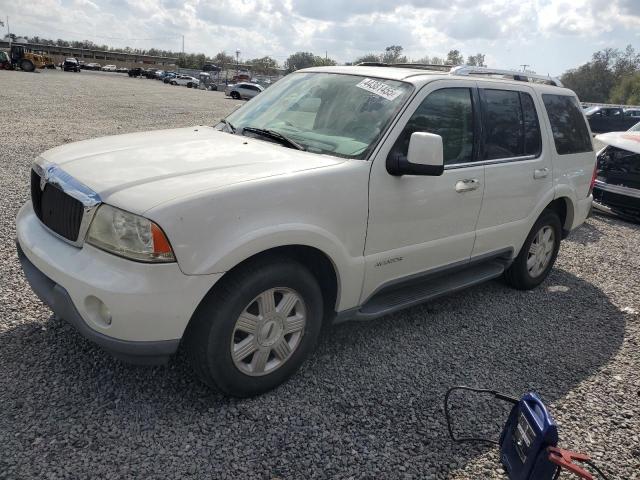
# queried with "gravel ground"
point(368, 404)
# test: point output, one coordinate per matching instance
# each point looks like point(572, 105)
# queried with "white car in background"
point(109, 68)
point(186, 80)
point(244, 90)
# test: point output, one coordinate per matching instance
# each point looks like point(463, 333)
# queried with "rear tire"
point(27, 65)
point(235, 95)
point(538, 254)
point(278, 337)
point(189, 85)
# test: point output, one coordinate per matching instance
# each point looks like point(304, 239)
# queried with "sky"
point(551, 36)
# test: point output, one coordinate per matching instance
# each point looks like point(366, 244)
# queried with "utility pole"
point(183, 46)
point(8, 33)
point(237, 62)
point(524, 66)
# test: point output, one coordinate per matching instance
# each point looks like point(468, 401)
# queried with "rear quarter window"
point(569, 127)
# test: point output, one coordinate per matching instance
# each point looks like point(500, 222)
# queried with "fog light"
point(105, 314)
point(98, 311)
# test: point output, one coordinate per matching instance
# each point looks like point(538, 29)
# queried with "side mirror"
point(424, 157)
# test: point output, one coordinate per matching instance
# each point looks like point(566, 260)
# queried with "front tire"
point(538, 254)
point(27, 65)
point(235, 95)
point(255, 329)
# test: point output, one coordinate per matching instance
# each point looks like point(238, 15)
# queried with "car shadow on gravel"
point(368, 403)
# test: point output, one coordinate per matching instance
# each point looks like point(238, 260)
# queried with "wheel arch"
point(319, 263)
point(565, 209)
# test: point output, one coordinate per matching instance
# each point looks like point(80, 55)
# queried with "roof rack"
point(420, 66)
point(470, 70)
point(514, 74)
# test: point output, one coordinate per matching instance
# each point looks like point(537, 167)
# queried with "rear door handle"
point(540, 173)
point(467, 185)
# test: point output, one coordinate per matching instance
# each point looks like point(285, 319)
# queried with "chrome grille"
point(56, 209)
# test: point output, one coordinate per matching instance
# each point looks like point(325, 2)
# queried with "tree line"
point(393, 54)
point(611, 76)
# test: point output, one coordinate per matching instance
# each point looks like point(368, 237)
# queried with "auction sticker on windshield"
point(379, 88)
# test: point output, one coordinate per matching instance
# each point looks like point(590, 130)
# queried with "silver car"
point(244, 90)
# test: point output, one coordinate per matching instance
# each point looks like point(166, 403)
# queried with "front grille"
point(58, 211)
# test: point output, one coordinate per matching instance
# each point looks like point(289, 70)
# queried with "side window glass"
point(449, 113)
point(532, 137)
point(503, 124)
point(570, 132)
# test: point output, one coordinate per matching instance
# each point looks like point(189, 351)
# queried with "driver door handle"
point(540, 173)
point(467, 185)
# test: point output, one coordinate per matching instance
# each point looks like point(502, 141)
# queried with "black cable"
point(496, 394)
point(595, 467)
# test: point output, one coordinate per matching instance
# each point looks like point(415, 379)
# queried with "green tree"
point(393, 54)
point(596, 80)
point(369, 57)
point(263, 66)
point(299, 60)
point(627, 92)
point(323, 61)
point(476, 60)
point(454, 57)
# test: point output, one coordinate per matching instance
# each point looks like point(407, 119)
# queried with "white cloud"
point(551, 35)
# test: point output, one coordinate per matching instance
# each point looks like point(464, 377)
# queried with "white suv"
point(338, 193)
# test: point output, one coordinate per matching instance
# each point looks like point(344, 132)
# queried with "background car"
point(609, 119)
point(135, 72)
point(617, 186)
point(632, 112)
point(93, 66)
point(168, 76)
point(109, 68)
point(243, 90)
point(71, 65)
point(185, 80)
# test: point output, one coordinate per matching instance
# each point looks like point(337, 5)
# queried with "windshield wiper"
point(228, 124)
point(265, 132)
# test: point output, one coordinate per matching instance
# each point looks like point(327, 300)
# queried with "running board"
point(412, 293)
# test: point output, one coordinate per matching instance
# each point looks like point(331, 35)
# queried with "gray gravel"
point(368, 404)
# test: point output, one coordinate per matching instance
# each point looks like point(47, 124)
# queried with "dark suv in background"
point(71, 65)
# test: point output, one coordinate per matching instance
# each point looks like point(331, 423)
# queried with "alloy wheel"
point(268, 331)
point(541, 251)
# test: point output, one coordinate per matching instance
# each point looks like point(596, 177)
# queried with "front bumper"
point(149, 305)
point(612, 198)
point(58, 299)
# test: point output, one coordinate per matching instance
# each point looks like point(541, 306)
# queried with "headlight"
point(129, 235)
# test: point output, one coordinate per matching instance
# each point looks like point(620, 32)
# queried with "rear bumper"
point(58, 299)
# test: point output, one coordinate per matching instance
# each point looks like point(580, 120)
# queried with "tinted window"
point(570, 132)
point(448, 113)
point(532, 138)
point(502, 121)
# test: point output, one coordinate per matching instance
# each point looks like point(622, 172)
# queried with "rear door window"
point(569, 127)
point(510, 123)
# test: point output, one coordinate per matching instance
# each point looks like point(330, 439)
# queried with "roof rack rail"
point(420, 66)
point(516, 75)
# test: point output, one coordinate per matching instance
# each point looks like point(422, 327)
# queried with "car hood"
point(141, 170)
point(629, 141)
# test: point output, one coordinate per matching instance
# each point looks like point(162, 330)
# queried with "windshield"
point(635, 128)
point(341, 115)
